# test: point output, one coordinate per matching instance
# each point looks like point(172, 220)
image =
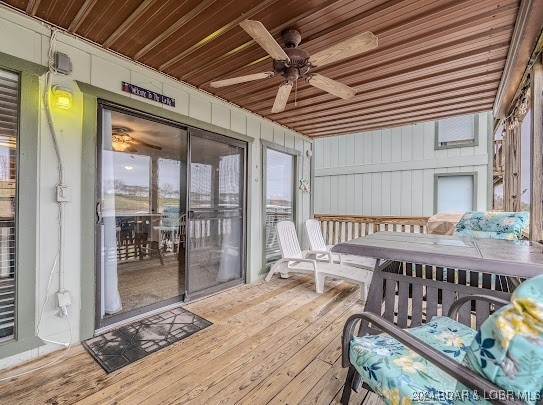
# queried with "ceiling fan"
point(122, 141)
point(293, 63)
point(8, 142)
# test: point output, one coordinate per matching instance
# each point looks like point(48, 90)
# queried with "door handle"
point(98, 213)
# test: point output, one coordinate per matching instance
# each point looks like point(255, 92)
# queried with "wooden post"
point(515, 155)
point(511, 178)
point(536, 199)
point(506, 171)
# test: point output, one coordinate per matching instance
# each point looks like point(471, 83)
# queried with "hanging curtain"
point(111, 300)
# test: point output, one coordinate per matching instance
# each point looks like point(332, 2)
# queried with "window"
point(455, 193)
point(457, 131)
point(9, 111)
point(279, 195)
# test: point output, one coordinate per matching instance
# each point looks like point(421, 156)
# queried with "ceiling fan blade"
point(263, 38)
point(331, 86)
point(241, 79)
point(345, 49)
point(282, 97)
point(146, 145)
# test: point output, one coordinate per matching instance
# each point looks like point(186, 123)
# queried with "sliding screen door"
point(216, 215)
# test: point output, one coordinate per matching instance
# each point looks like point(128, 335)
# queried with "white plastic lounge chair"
point(317, 244)
point(295, 260)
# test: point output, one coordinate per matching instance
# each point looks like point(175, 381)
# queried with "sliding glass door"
point(153, 250)
point(140, 211)
point(216, 213)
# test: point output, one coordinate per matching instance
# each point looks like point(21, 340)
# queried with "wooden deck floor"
point(276, 343)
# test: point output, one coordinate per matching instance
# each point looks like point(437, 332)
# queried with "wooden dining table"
point(522, 259)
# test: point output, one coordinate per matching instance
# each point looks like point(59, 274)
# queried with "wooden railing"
point(341, 228)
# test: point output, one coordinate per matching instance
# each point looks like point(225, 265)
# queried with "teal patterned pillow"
point(508, 348)
point(493, 224)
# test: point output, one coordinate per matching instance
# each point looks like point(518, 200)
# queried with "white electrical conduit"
point(60, 163)
point(60, 249)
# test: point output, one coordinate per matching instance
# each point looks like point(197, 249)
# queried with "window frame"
point(471, 174)
point(296, 156)
point(460, 144)
point(25, 337)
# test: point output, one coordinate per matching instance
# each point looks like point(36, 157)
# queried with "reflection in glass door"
point(141, 211)
point(279, 177)
point(216, 213)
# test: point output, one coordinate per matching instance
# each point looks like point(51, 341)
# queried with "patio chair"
point(464, 357)
point(295, 260)
point(493, 224)
point(317, 244)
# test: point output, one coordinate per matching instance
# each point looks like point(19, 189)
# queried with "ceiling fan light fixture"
point(292, 74)
point(120, 146)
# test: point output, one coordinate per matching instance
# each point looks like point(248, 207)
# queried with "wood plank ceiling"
point(436, 58)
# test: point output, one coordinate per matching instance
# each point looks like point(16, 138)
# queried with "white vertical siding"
point(391, 171)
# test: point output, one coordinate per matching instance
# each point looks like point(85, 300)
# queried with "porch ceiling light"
point(63, 97)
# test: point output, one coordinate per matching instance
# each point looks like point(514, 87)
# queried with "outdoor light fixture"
point(128, 167)
point(63, 97)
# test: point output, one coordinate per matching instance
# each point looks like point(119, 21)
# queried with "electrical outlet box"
point(62, 63)
point(63, 193)
point(64, 299)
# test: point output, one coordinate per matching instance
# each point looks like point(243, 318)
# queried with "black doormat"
point(119, 347)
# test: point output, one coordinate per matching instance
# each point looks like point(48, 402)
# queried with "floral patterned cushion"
point(399, 375)
point(508, 349)
point(492, 224)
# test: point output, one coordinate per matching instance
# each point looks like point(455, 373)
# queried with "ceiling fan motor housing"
point(299, 60)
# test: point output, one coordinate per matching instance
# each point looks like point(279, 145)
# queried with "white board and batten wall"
point(28, 39)
point(393, 171)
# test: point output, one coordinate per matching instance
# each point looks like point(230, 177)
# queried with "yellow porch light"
point(62, 97)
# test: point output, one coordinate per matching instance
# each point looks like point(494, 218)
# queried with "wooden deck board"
point(245, 377)
point(276, 342)
point(218, 377)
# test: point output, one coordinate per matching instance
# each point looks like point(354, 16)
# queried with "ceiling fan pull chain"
point(296, 93)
